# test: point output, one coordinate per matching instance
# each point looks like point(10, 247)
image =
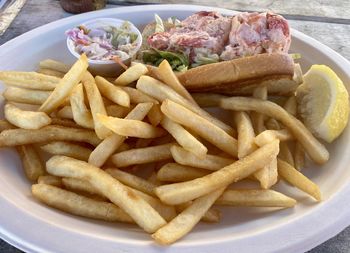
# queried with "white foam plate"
point(33, 227)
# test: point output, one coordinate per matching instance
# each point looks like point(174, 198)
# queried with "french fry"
point(285, 153)
point(133, 181)
point(65, 112)
point(130, 127)
point(182, 192)
point(161, 92)
point(186, 220)
point(16, 137)
point(50, 180)
point(112, 92)
point(26, 96)
point(50, 72)
point(209, 162)
point(142, 155)
point(167, 212)
point(212, 215)
point(272, 124)
point(66, 85)
point(312, 146)
point(255, 198)
point(29, 80)
point(25, 119)
point(109, 145)
point(294, 177)
point(138, 209)
point(155, 115)
point(245, 134)
point(4, 125)
point(208, 99)
point(96, 105)
point(184, 138)
point(268, 175)
point(166, 74)
point(79, 205)
point(291, 105)
point(137, 96)
point(269, 135)
point(64, 122)
point(299, 157)
point(258, 118)
point(142, 143)
point(173, 172)
point(81, 114)
point(67, 149)
point(117, 111)
point(200, 126)
point(131, 74)
point(31, 162)
point(54, 65)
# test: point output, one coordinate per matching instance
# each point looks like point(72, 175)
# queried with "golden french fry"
point(182, 192)
point(109, 145)
point(312, 146)
point(130, 127)
point(79, 205)
point(64, 122)
point(299, 157)
point(54, 65)
point(212, 215)
point(209, 162)
point(66, 85)
point(155, 115)
point(184, 138)
point(117, 111)
point(245, 134)
point(4, 125)
point(29, 80)
point(285, 153)
point(173, 172)
point(294, 177)
point(112, 92)
point(65, 112)
point(131, 74)
point(166, 74)
point(16, 137)
point(161, 92)
point(208, 99)
point(50, 180)
point(81, 114)
point(67, 149)
point(96, 105)
point(200, 126)
point(258, 118)
point(255, 198)
point(25, 119)
point(27, 96)
point(50, 72)
point(269, 135)
point(268, 175)
point(142, 155)
point(133, 181)
point(141, 212)
point(137, 96)
point(31, 162)
point(167, 212)
point(186, 220)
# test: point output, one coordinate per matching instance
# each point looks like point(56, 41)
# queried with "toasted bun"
point(227, 76)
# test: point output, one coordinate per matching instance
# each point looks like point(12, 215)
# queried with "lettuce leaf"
point(177, 61)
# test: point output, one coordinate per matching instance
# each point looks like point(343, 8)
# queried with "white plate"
point(33, 227)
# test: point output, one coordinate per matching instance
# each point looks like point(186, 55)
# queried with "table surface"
point(326, 21)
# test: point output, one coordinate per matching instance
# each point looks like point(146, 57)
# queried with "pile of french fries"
point(100, 133)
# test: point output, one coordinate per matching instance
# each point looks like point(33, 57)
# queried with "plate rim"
point(340, 222)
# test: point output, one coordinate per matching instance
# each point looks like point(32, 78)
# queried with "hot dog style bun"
point(230, 55)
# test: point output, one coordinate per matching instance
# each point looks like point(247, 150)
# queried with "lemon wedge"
point(323, 103)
